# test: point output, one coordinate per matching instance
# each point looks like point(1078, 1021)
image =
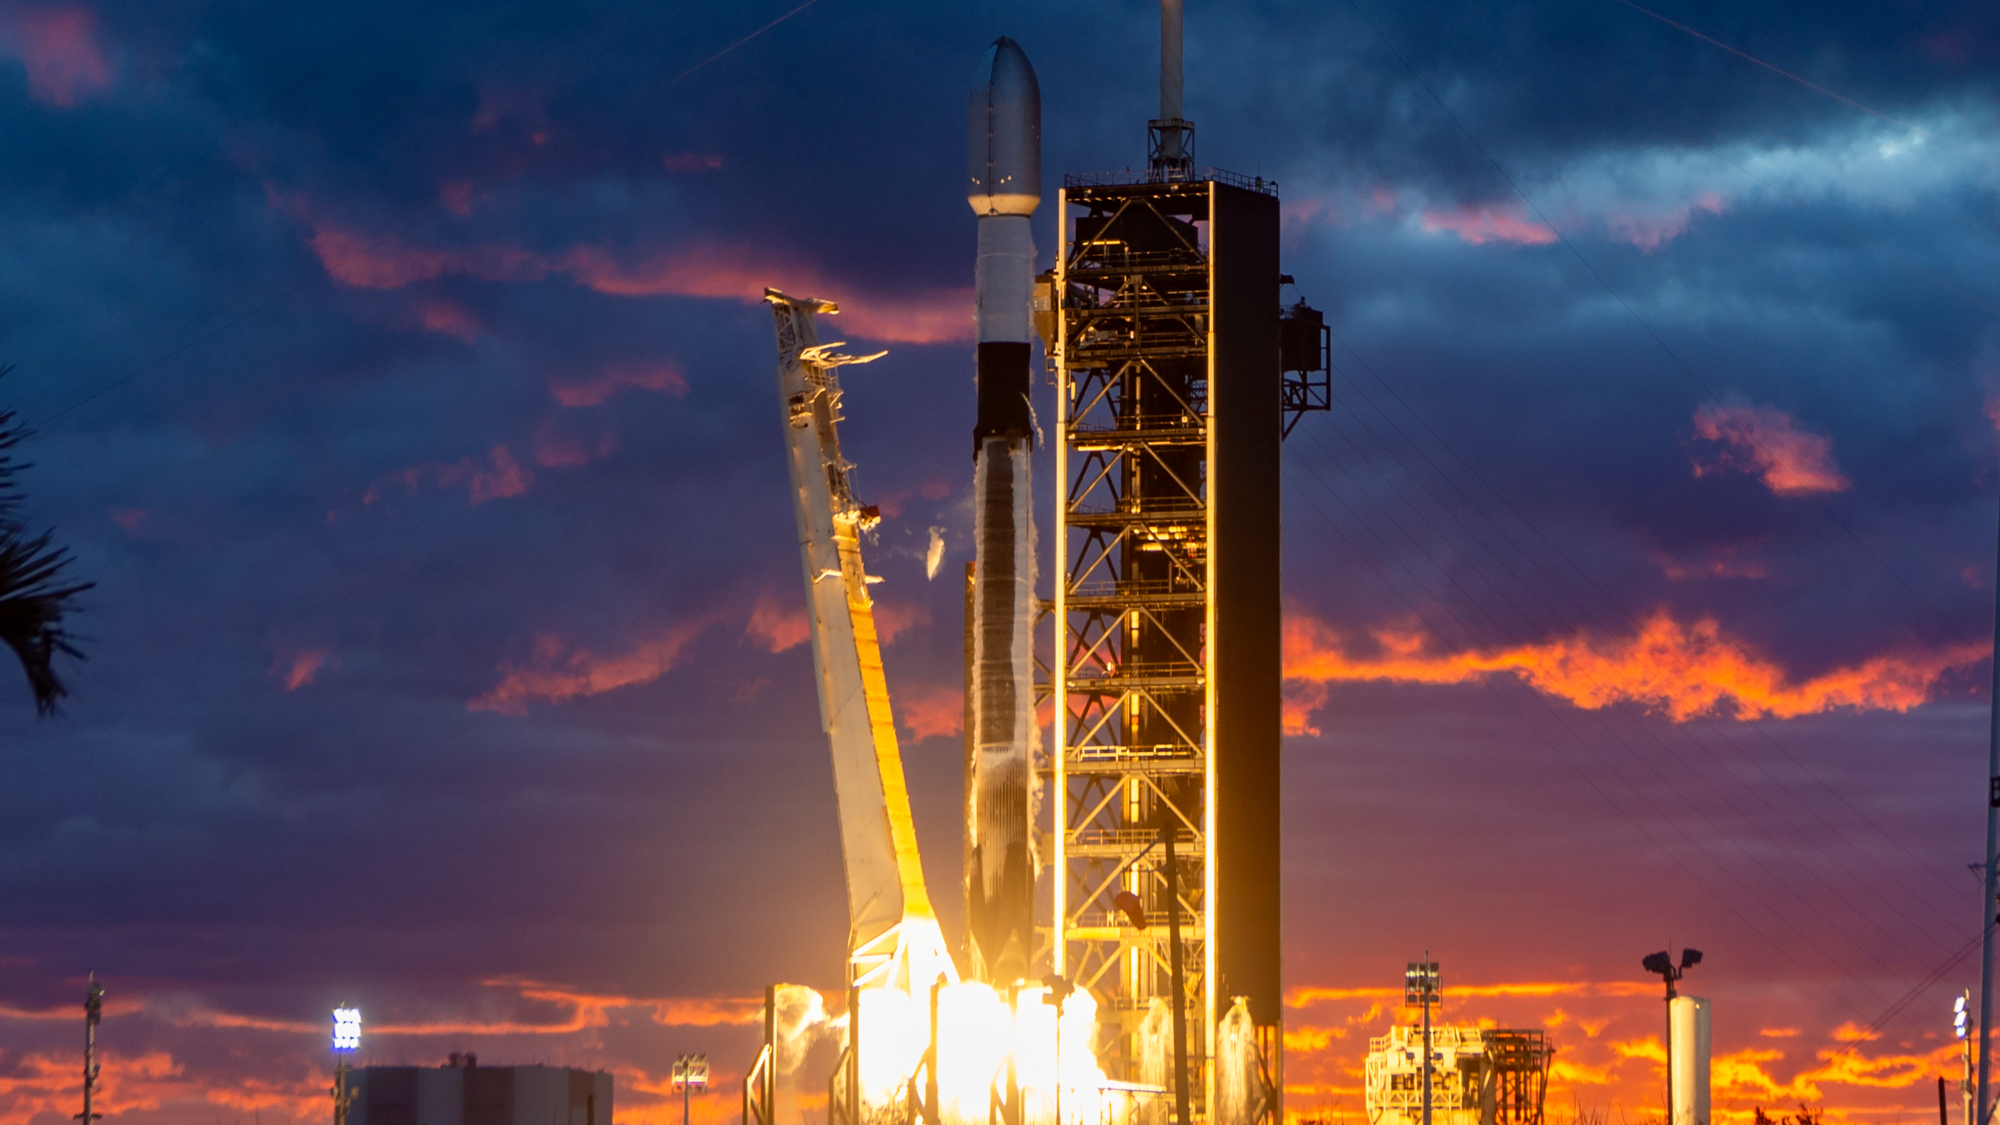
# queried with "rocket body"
point(1005, 164)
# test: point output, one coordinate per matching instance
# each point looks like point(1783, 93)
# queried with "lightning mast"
point(893, 939)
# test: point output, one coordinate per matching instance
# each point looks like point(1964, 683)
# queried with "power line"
point(1930, 980)
point(1813, 86)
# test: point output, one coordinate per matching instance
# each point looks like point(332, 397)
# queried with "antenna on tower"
point(93, 1011)
point(1170, 137)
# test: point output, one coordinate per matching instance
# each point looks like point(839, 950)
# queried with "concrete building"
point(464, 1093)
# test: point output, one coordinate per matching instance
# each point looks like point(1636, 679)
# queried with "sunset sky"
point(401, 382)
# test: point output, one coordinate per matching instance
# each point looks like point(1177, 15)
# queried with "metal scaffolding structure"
point(1171, 407)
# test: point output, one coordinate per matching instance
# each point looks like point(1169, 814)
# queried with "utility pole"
point(93, 1011)
point(1420, 989)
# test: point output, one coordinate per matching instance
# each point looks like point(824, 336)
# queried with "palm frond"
point(12, 433)
point(34, 593)
point(34, 599)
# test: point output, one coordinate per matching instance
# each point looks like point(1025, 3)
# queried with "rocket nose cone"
point(1006, 71)
point(1005, 127)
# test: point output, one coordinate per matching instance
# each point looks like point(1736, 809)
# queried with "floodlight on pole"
point(1420, 989)
point(346, 1041)
point(347, 1029)
point(1961, 1029)
point(690, 1075)
point(1662, 963)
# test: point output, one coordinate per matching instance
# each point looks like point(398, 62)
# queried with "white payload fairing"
point(1004, 188)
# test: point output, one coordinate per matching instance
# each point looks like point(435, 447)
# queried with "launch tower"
point(1176, 372)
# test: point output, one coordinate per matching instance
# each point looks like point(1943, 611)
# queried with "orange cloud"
point(1295, 709)
point(1742, 1073)
point(131, 520)
point(931, 712)
point(1312, 1038)
point(665, 378)
point(59, 48)
point(1850, 1068)
point(302, 668)
point(555, 675)
point(507, 477)
point(1649, 1048)
point(1305, 997)
point(232, 1021)
point(776, 627)
point(1683, 671)
point(1573, 1073)
point(735, 273)
point(1487, 224)
point(37, 1084)
point(1767, 441)
point(668, 1011)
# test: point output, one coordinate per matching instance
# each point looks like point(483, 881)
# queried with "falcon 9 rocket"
point(1005, 185)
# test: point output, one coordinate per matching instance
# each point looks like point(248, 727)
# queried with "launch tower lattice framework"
point(1171, 404)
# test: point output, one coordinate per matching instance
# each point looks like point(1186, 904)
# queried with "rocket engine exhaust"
point(1005, 187)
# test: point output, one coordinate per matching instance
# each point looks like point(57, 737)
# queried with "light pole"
point(690, 1074)
point(346, 1041)
point(1420, 989)
point(1663, 964)
point(1961, 1017)
point(93, 1011)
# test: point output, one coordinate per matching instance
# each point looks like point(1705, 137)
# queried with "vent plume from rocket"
point(1005, 186)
